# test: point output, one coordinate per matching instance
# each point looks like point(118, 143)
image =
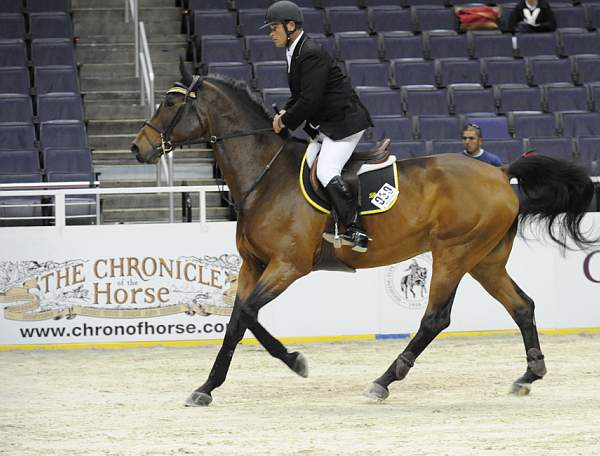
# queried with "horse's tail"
point(555, 192)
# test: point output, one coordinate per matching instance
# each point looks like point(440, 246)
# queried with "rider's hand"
point(277, 123)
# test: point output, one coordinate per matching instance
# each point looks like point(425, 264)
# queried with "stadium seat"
point(40, 6)
point(79, 209)
point(278, 97)
point(50, 25)
point(23, 206)
point(52, 51)
point(55, 78)
point(15, 107)
point(561, 148)
point(530, 44)
point(412, 72)
point(569, 15)
point(250, 21)
point(330, 3)
point(64, 134)
point(356, 45)
point(588, 152)
point(586, 67)
point(19, 161)
point(490, 44)
point(314, 21)
point(260, 48)
point(446, 43)
point(578, 41)
point(400, 45)
point(393, 127)
point(594, 95)
point(221, 48)
point(565, 97)
point(517, 97)
point(420, 100)
point(195, 5)
point(408, 149)
point(593, 12)
point(436, 127)
point(59, 106)
point(408, 3)
point(11, 6)
point(579, 123)
point(368, 72)
point(445, 146)
point(375, 3)
point(17, 135)
point(457, 70)
point(214, 22)
point(548, 69)
point(327, 42)
point(381, 100)
point(528, 124)
point(503, 70)
point(390, 18)
point(492, 126)
point(236, 70)
point(14, 80)
point(346, 19)
point(12, 26)
point(270, 74)
point(470, 98)
point(431, 17)
point(13, 53)
point(67, 160)
point(508, 150)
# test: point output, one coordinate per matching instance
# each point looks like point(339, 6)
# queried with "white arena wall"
point(105, 285)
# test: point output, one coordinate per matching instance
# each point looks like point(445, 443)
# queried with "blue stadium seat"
point(15, 107)
point(270, 74)
point(327, 42)
point(260, 48)
point(50, 25)
point(78, 160)
point(437, 127)
point(442, 44)
point(9, 216)
point(12, 26)
point(517, 97)
point(347, 19)
point(490, 44)
point(13, 53)
point(586, 67)
point(588, 151)
point(457, 70)
point(508, 150)
point(492, 126)
point(579, 123)
point(79, 209)
point(221, 48)
point(52, 51)
point(503, 70)
point(356, 45)
point(314, 20)
point(397, 128)
point(390, 18)
point(408, 149)
point(445, 146)
point(278, 97)
point(569, 15)
point(17, 135)
point(578, 41)
point(236, 70)
point(11, 6)
point(431, 17)
point(375, 3)
point(194, 5)
point(594, 95)
point(214, 22)
point(565, 97)
point(400, 45)
point(19, 161)
point(471, 98)
point(55, 78)
point(530, 124)
point(39, 6)
point(381, 100)
point(548, 69)
point(331, 3)
point(530, 44)
point(64, 134)
point(368, 72)
point(14, 80)
point(250, 21)
point(59, 106)
point(420, 100)
point(412, 71)
point(593, 12)
point(561, 148)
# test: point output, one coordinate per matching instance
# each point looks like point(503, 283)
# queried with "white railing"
point(131, 12)
point(60, 201)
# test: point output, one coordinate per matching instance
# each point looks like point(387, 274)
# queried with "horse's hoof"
point(300, 365)
point(377, 392)
point(520, 389)
point(198, 399)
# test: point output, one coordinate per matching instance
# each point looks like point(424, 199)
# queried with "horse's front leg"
point(272, 282)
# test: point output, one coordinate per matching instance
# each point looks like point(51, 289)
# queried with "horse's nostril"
point(135, 150)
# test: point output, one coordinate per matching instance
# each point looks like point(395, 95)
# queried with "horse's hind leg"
point(492, 275)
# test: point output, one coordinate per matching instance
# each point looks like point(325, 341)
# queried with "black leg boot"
point(346, 208)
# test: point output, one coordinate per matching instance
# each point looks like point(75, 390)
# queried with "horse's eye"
point(169, 103)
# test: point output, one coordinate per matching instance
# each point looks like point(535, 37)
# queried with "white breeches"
point(333, 156)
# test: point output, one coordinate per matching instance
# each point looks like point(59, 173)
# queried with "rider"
point(335, 119)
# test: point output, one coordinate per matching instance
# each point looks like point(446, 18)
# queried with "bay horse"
point(464, 211)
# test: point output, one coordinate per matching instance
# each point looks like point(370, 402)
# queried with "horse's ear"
point(186, 75)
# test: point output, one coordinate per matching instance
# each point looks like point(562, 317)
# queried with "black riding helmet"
point(282, 12)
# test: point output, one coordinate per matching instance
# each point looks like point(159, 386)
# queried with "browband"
point(182, 91)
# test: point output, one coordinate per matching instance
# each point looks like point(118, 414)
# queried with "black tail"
point(557, 193)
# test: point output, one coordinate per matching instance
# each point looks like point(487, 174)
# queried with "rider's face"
point(278, 35)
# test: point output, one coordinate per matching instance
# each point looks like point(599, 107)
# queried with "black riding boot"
point(346, 209)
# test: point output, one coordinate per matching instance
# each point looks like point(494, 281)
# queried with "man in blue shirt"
point(472, 141)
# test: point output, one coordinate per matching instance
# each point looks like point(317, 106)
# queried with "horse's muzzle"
point(135, 150)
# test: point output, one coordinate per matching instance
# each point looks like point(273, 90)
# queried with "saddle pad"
point(378, 189)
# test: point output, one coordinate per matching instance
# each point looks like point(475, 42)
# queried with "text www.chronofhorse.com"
point(142, 328)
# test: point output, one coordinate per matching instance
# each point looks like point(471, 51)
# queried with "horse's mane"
point(245, 95)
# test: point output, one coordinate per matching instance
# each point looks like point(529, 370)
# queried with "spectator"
point(530, 16)
point(472, 141)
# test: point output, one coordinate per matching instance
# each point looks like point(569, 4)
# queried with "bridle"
point(166, 145)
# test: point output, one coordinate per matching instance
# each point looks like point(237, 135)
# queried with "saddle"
point(378, 154)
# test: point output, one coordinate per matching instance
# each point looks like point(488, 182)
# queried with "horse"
point(461, 210)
